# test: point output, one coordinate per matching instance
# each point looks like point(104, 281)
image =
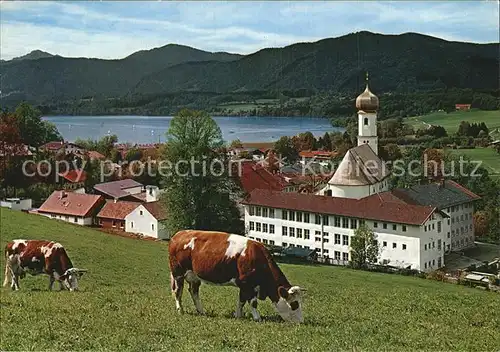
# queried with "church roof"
point(367, 101)
point(360, 166)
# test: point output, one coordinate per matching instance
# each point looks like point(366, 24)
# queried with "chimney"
point(62, 194)
point(152, 193)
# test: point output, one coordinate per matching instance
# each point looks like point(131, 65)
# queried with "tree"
point(481, 223)
point(33, 130)
point(285, 148)
point(327, 142)
point(390, 152)
point(133, 154)
point(200, 192)
point(11, 150)
point(364, 247)
point(236, 144)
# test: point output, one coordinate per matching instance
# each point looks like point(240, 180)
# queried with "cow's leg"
point(7, 273)
point(194, 290)
point(14, 281)
point(240, 304)
point(51, 281)
point(177, 285)
point(255, 313)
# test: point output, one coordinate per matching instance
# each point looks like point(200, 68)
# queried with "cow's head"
point(289, 305)
point(70, 278)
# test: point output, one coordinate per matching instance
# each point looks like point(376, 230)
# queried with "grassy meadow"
point(489, 157)
point(125, 304)
point(452, 120)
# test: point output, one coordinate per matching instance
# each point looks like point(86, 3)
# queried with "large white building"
point(414, 227)
point(410, 236)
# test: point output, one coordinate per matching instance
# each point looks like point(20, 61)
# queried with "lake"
point(149, 129)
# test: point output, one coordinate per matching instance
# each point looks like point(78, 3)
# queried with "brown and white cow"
point(40, 257)
point(227, 259)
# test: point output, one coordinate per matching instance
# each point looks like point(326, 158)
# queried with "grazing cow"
point(226, 259)
point(40, 257)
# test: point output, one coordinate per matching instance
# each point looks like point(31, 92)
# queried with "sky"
point(113, 29)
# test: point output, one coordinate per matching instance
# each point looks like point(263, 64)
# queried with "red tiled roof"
point(95, 155)
point(53, 145)
point(69, 203)
point(118, 210)
point(317, 153)
point(74, 176)
point(380, 207)
point(254, 176)
point(463, 189)
point(157, 209)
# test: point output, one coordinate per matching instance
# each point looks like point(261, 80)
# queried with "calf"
point(40, 257)
point(226, 259)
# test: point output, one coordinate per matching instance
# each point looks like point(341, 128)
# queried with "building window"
point(384, 243)
point(140, 212)
point(271, 228)
point(394, 227)
point(299, 216)
point(439, 262)
point(265, 241)
point(337, 255)
point(365, 122)
point(306, 217)
point(284, 215)
point(299, 233)
point(264, 228)
point(394, 245)
point(354, 224)
point(291, 232)
point(345, 240)
point(251, 210)
point(325, 220)
point(439, 245)
point(337, 221)
point(271, 213)
point(375, 224)
point(113, 223)
point(384, 225)
point(425, 265)
point(153, 227)
point(345, 223)
point(317, 239)
point(306, 234)
point(404, 228)
point(433, 244)
point(285, 244)
point(433, 262)
point(271, 242)
point(258, 211)
point(284, 231)
point(337, 238)
point(404, 247)
point(317, 219)
point(252, 225)
point(264, 212)
point(75, 219)
point(345, 256)
point(291, 216)
point(326, 240)
point(258, 227)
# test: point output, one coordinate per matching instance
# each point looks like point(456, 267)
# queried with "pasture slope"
point(452, 120)
point(125, 304)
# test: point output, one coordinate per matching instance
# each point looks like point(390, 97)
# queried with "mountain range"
point(407, 61)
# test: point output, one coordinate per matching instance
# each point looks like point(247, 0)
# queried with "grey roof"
point(436, 194)
point(360, 166)
point(116, 188)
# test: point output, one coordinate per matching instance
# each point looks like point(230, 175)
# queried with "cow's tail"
point(7, 270)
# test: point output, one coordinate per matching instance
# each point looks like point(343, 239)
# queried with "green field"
point(125, 304)
point(489, 157)
point(451, 121)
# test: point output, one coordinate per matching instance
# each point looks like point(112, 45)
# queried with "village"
point(308, 209)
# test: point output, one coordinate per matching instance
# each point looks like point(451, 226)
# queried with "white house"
point(146, 219)
point(72, 207)
point(16, 203)
point(410, 236)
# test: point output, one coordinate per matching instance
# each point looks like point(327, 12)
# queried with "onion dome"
point(367, 101)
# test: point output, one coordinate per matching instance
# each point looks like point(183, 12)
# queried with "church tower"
point(367, 105)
